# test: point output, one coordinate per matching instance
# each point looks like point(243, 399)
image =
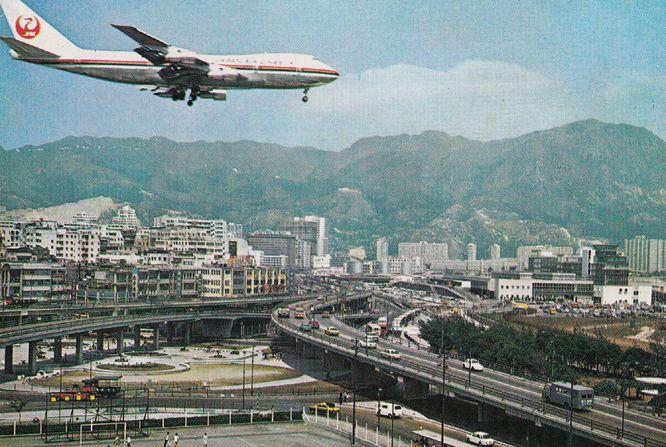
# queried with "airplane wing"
point(143, 39)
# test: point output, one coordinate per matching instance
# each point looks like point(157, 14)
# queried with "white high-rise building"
point(471, 252)
point(126, 217)
point(495, 251)
point(312, 229)
point(646, 255)
point(427, 252)
point(382, 249)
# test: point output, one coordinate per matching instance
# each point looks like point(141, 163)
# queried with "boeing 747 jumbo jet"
point(156, 66)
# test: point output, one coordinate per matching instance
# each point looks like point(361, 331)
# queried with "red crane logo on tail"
point(28, 27)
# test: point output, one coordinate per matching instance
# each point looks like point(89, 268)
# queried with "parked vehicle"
point(480, 438)
point(389, 410)
point(325, 407)
point(473, 364)
point(332, 331)
point(390, 353)
point(560, 393)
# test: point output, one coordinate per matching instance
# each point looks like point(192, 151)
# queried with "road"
point(604, 418)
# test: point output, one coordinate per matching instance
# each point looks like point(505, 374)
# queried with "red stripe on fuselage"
point(147, 64)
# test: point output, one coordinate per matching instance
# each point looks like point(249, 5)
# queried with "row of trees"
point(547, 352)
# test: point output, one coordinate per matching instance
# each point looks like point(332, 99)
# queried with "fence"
point(71, 430)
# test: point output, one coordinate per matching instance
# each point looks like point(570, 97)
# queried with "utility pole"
point(392, 419)
point(252, 374)
point(242, 326)
point(441, 403)
point(353, 440)
point(571, 396)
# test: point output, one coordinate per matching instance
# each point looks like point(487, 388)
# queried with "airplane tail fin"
point(29, 28)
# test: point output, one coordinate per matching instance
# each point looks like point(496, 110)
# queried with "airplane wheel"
point(305, 99)
point(190, 103)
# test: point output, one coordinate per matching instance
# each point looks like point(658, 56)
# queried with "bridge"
point(33, 325)
point(493, 390)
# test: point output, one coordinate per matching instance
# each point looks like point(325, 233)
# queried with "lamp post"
point(571, 397)
point(242, 327)
point(252, 374)
point(443, 355)
point(353, 440)
point(392, 419)
point(379, 401)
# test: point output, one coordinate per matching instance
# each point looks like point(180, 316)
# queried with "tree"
point(17, 405)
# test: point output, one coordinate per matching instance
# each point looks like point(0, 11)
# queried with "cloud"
point(477, 99)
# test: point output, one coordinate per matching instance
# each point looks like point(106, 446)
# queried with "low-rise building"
point(528, 287)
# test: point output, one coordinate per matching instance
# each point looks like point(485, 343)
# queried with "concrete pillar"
point(137, 337)
point(120, 341)
point(187, 333)
point(171, 331)
point(57, 350)
point(79, 349)
point(156, 336)
point(9, 359)
point(100, 342)
point(32, 358)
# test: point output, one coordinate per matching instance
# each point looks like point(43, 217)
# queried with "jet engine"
point(216, 94)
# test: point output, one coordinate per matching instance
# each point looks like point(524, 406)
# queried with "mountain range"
point(584, 179)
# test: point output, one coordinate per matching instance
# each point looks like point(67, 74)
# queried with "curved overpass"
point(512, 394)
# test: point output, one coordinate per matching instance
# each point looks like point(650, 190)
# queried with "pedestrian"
point(175, 440)
point(166, 440)
point(205, 440)
point(340, 397)
point(129, 442)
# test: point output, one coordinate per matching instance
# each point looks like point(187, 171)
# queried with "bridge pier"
point(32, 358)
point(171, 331)
point(187, 333)
point(57, 350)
point(415, 389)
point(79, 349)
point(100, 342)
point(156, 336)
point(120, 341)
point(137, 337)
point(9, 359)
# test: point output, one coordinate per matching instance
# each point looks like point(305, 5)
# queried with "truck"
point(581, 398)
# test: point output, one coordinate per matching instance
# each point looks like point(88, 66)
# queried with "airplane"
point(158, 67)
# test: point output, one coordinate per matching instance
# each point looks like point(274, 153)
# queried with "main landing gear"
point(180, 94)
point(305, 95)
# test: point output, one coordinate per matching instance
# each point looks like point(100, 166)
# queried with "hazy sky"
point(480, 69)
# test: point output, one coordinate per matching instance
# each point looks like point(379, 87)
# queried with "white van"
point(389, 410)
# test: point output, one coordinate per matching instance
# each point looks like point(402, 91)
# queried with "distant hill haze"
point(586, 178)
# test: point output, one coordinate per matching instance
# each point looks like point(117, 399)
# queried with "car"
point(332, 331)
point(283, 312)
point(370, 344)
point(305, 327)
point(473, 364)
point(480, 438)
point(314, 324)
point(326, 315)
point(325, 407)
point(390, 353)
point(389, 410)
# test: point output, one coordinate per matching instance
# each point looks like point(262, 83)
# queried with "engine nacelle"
point(216, 94)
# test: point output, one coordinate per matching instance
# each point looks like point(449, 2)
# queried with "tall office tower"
point(645, 255)
point(312, 229)
point(382, 249)
point(471, 252)
point(495, 251)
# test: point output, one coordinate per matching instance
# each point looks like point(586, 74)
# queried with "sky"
point(480, 69)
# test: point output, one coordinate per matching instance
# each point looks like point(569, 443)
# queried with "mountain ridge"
point(586, 178)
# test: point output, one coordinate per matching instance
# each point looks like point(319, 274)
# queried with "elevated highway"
point(514, 395)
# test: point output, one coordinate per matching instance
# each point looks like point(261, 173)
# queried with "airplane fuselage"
point(270, 70)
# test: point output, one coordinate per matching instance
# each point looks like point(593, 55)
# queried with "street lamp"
point(353, 440)
point(392, 419)
point(242, 327)
point(379, 401)
point(443, 355)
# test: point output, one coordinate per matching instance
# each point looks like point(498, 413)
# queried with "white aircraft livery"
point(156, 66)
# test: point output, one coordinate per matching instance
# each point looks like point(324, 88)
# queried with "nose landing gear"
point(194, 94)
point(305, 95)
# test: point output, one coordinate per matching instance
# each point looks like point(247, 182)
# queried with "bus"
point(560, 393)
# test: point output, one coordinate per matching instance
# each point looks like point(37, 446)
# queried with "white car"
point(480, 438)
point(370, 344)
point(473, 364)
point(392, 354)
